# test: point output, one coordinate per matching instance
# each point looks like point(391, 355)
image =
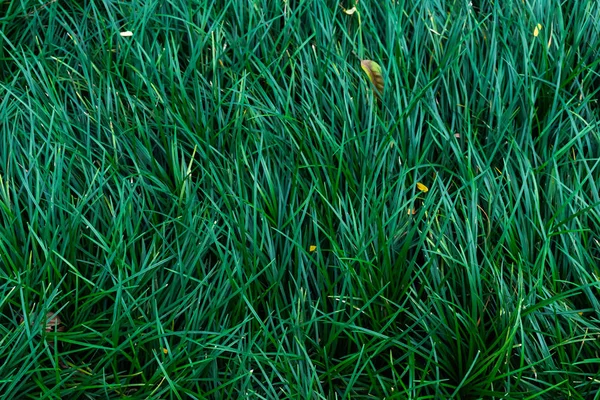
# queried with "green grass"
point(160, 193)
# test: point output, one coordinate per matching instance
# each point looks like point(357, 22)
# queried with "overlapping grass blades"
point(219, 206)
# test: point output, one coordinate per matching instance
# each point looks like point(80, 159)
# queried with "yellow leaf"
point(422, 187)
point(373, 71)
point(312, 248)
point(537, 30)
point(350, 11)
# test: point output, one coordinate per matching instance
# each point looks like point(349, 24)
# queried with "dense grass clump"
point(221, 206)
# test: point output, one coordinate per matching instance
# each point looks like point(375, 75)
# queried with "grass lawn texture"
point(302, 199)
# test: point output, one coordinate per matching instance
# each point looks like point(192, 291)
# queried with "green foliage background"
point(160, 193)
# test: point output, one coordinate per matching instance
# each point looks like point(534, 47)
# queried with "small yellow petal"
point(422, 187)
point(126, 34)
point(312, 248)
point(537, 30)
point(165, 351)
